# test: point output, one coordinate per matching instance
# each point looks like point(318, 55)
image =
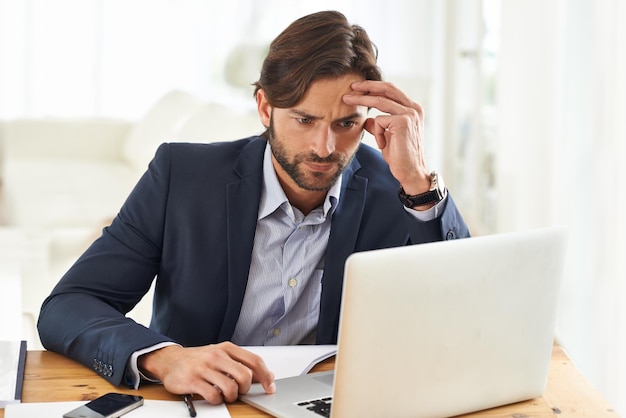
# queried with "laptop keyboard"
point(319, 406)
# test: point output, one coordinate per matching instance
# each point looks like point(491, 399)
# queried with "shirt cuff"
point(134, 375)
point(428, 214)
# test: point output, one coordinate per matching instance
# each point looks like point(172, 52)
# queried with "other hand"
point(218, 373)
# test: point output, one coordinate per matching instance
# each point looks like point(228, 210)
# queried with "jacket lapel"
point(242, 209)
point(342, 242)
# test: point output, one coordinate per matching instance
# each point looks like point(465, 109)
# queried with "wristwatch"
point(436, 193)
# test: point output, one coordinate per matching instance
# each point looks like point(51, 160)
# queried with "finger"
point(216, 387)
point(228, 373)
point(240, 373)
point(262, 375)
point(211, 392)
point(260, 372)
point(381, 103)
point(377, 131)
point(382, 88)
point(387, 90)
point(227, 386)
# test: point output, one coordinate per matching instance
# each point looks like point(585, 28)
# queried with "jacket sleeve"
point(451, 222)
point(84, 316)
point(446, 226)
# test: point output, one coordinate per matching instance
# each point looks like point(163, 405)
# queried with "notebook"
point(436, 330)
point(12, 362)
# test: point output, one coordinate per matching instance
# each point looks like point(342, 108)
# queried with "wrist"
point(425, 200)
point(153, 365)
point(417, 184)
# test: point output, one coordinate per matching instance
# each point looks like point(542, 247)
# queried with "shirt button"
point(276, 332)
point(293, 282)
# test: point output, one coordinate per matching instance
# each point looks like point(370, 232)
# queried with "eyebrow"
point(306, 115)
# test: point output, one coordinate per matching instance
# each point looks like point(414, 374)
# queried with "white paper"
point(292, 360)
point(150, 409)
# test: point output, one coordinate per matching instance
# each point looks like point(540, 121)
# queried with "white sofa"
point(63, 180)
point(77, 172)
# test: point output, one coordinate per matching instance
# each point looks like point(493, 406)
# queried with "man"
point(248, 239)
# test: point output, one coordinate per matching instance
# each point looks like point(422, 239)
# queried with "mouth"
point(321, 167)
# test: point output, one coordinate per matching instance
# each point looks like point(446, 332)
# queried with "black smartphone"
point(111, 405)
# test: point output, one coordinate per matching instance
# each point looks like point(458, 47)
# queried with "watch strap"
point(427, 198)
point(436, 193)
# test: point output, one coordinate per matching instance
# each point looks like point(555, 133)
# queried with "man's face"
point(313, 142)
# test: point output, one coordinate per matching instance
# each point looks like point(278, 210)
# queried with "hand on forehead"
point(380, 95)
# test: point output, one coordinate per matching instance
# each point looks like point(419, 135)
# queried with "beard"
point(295, 169)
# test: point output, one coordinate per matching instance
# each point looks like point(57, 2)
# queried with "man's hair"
point(317, 46)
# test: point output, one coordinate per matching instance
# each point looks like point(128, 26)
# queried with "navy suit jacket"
point(190, 222)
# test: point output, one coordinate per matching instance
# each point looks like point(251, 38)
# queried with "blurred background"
point(524, 100)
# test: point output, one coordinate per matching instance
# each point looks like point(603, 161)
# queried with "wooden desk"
point(50, 377)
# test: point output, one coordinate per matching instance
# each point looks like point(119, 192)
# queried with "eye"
point(348, 124)
point(304, 121)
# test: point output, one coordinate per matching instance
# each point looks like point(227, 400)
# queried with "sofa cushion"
point(216, 122)
point(51, 193)
point(158, 125)
point(69, 138)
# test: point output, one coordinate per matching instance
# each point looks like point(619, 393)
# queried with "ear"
point(263, 107)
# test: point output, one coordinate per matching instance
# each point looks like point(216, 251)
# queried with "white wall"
point(562, 98)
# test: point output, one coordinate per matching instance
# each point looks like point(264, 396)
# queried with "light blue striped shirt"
point(281, 303)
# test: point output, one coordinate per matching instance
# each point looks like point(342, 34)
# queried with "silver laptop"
point(437, 330)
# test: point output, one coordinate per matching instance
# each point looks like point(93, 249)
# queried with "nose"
point(324, 143)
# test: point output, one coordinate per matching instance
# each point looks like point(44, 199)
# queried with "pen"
point(189, 405)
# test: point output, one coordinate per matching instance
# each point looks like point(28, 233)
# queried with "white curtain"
point(562, 101)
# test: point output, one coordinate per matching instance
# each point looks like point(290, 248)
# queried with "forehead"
point(326, 95)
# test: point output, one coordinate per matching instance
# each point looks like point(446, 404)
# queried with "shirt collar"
point(273, 195)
